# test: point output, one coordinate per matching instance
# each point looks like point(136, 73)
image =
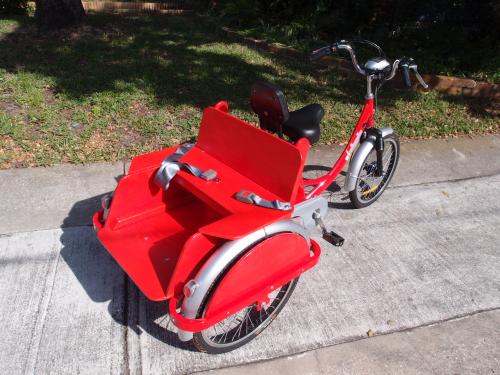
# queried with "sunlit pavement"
point(427, 252)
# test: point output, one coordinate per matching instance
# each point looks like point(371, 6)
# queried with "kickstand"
point(330, 236)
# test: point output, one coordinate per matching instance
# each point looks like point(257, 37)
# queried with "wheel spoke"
point(245, 322)
point(370, 185)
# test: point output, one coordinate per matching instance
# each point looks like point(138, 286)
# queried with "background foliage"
point(458, 37)
point(13, 6)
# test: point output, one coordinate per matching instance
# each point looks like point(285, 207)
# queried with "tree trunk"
point(56, 14)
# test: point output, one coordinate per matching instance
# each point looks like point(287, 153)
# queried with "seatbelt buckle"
point(283, 206)
point(209, 175)
point(245, 196)
point(249, 197)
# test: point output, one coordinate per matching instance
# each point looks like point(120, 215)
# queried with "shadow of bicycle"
point(103, 279)
point(333, 194)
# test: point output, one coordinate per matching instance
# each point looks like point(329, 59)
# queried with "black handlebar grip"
point(405, 72)
point(316, 55)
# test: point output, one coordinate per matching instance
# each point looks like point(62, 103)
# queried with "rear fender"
point(359, 157)
point(263, 269)
point(222, 258)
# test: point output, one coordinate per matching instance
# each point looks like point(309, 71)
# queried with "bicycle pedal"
point(333, 238)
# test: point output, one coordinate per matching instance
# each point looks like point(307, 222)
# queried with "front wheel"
point(369, 187)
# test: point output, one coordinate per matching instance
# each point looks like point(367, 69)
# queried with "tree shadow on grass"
point(137, 83)
point(177, 59)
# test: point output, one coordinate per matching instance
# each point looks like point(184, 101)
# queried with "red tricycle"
point(220, 229)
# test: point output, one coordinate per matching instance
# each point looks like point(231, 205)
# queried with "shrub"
point(13, 6)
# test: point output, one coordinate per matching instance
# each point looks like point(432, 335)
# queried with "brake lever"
point(419, 77)
point(319, 53)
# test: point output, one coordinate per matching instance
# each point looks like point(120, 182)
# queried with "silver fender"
point(359, 157)
point(220, 260)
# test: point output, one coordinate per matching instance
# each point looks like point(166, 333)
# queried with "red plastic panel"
point(149, 252)
point(222, 106)
point(264, 268)
point(195, 253)
point(269, 161)
point(150, 160)
point(195, 325)
point(147, 228)
point(240, 224)
point(219, 193)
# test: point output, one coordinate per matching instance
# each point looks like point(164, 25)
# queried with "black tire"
point(365, 192)
point(204, 343)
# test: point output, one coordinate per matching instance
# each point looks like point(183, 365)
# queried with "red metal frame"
point(320, 184)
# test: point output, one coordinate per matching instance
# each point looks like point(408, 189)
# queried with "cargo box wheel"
point(242, 327)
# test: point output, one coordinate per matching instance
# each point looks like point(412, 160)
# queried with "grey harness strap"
point(249, 197)
point(171, 165)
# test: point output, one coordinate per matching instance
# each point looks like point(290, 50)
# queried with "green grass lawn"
point(119, 86)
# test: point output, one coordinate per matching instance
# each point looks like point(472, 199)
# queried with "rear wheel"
point(370, 187)
point(246, 324)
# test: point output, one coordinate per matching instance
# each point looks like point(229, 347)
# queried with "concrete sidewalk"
point(466, 345)
point(427, 252)
point(68, 195)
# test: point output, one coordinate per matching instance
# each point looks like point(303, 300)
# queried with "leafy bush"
point(13, 6)
point(457, 37)
point(361, 16)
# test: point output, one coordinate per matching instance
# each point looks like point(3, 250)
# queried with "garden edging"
point(453, 86)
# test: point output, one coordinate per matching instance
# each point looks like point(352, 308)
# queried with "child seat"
point(160, 237)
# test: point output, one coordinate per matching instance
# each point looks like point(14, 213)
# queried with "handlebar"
point(405, 73)
point(316, 55)
point(419, 78)
point(319, 53)
point(405, 64)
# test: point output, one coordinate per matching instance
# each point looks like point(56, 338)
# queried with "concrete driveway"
point(428, 252)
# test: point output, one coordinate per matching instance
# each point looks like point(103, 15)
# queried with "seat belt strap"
point(171, 165)
point(249, 197)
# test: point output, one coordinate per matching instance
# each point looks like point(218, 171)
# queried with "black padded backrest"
point(269, 103)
